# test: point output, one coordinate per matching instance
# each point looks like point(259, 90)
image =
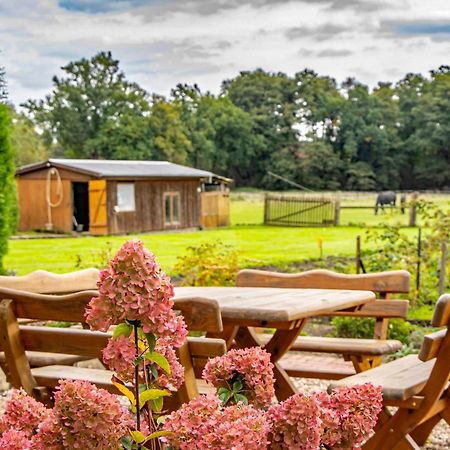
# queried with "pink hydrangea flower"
point(84, 416)
point(349, 415)
point(15, 440)
point(119, 357)
point(176, 378)
point(133, 287)
point(253, 364)
point(193, 421)
point(295, 424)
point(201, 424)
point(23, 413)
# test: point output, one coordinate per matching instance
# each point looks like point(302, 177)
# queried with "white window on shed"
point(125, 197)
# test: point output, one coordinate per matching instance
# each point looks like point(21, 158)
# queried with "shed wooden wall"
point(31, 188)
point(215, 207)
point(149, 203)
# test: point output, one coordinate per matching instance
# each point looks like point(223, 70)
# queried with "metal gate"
point(300, 210)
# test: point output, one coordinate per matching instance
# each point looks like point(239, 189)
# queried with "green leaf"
point(154, 371)
point(127, 442)
point(159, 359)
point(157, 404)
point(158, 434)
point(237, 385)
point(161, 419)
point(152, 394)
point(138, 360)
point(125, 391)
point(225, 396)
point(151, 339)
point(123, 329)
point(240, 398)
point(137, 436)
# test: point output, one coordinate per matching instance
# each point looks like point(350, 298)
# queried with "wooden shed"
point(113, 197)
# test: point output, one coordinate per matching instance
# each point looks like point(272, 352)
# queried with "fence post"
point(413, 210)
point(442, 268)
point(419, 255)
point(337, 212)
point(266, 209)
point(358, 253)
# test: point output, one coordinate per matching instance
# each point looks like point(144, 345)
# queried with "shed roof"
point(124, 169)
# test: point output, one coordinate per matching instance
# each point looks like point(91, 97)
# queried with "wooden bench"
point(200, 315)
point(418, 385)
point(359, 354)
point(43, 282)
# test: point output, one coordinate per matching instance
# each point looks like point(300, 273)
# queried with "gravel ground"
point(439, 439)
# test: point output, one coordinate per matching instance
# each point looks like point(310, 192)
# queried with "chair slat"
point(431, 344)
point(441, 315)
point(397, 281)
point(43, 282)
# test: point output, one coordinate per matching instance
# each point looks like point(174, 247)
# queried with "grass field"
point(257, 245)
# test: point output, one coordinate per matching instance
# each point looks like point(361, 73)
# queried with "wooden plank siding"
point(33, 213)
point(149, 206)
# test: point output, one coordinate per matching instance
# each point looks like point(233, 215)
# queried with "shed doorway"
point(80, 195)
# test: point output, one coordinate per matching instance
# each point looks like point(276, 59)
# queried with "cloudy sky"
point(163, 42)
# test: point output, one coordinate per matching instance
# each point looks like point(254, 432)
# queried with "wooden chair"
point(418, 385)
point(363, 353)
point(200, 315)
point(43, 282)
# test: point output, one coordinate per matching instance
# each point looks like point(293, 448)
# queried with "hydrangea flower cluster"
point(253, 364)
point(83, 417)
point(15, 440)
point(23, 413)
point(134, 288)
point(295, 424)
point(349, 415)
point(202, 424)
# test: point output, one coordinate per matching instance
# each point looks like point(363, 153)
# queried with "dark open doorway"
point(80, 193)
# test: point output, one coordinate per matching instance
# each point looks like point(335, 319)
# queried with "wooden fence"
point(301, 210)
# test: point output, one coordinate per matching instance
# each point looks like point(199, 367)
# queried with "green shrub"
point(8, 199)
point(363, 328)
point(208, 264)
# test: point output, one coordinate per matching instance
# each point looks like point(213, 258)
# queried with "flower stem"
point(136, 379)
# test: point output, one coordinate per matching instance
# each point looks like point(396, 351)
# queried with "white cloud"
point(164, 42)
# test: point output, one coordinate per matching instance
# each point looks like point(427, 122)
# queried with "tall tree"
point(8, 200)
point(27, 143)
point(270, 100)
point(90, 101)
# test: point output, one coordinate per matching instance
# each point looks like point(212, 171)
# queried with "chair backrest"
point(433, 342)
point(437, 345)
point(200, 315)
point(43, 282)
point(382, 283)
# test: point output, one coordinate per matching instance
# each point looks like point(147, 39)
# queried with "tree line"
point(306, 127)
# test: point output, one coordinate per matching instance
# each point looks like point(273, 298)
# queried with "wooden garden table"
point(286, 310)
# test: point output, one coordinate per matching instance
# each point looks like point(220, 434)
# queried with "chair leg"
point(420, 434)
point(393, 434)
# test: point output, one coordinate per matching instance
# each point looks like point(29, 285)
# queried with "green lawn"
point(257, 245)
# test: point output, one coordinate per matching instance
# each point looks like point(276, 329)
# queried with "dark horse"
point(385, 198)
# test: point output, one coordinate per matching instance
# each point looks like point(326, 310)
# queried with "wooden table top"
point(276, 304)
